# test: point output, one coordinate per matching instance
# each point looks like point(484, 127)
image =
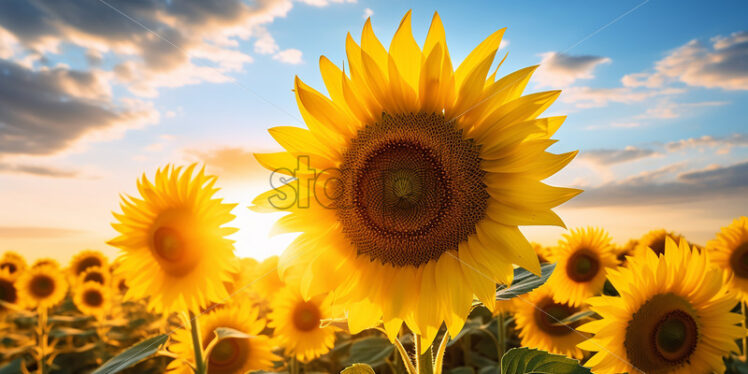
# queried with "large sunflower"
point(729, 250)
point(297, 324)
point(673, 316)
point(14, 263)
point(41, 287)
point(230, 355)
point(583, 258)
point(412, 180)
point(655, 241)
point(537, 316)
point(8, 292)
point(174, 243)
point(86, 259)
point(92, 298)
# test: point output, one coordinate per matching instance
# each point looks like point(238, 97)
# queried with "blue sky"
point(656, 101)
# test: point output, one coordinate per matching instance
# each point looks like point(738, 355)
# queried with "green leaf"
point(524, 282)
point(461, 370)
point(471, 326)
point(527, 360)
point(132, 355)
point(371, 350)
point(358, 369)
point(13, 367)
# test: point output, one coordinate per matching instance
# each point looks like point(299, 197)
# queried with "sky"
point(94, 93)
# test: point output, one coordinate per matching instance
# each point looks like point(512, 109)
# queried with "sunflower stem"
point(197, 345)
point(745, 325)
point(404, 356)
point(500, 337)
point(424, 363)
point(439, 359)
point(42, 336)
point(294, 366)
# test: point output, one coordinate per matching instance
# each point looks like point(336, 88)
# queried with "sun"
point(412, 178)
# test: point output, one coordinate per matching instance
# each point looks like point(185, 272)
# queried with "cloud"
point(667, 109)
point(8, 232)
point(720, 63)
point(588, 97)
point(157, 43)
point(47, 111)
point(231, 163)
point(368, 13)
point(726, 142)
point(323, 3)
point(38, 170)
point(616, 156)
point(289, 56)
point(653, 188)
point(558, 69)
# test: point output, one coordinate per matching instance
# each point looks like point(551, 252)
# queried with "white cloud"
point(718, 64)
point(323, 3)
point(265, 44)
point(558, 69)
point(289, 56)
point(589, 97)
point(368, 13)
point(667, 109)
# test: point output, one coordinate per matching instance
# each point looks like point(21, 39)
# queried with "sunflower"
point(86, 259)
point(537, 316)
point(297, 324)
point(673, 316)
point(92, 298)
point(230, 355)
point(655, 241)
point(626, 250)
point(729, 250)
point(583, 257)
point(41, 287)
point(95, 274)
point(14, 263)
point(544, 253)
point(46, 261)
point(412, 180)
point(8, 292)
point(264, 279)
point(173, 242)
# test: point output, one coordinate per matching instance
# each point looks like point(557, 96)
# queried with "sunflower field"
point(406, 190)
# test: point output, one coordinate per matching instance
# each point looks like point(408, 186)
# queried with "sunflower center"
point(93, 298)
point(10, 266)
point(739, 260)
point(411, 188)
point(42, 286)
point(171, 248)
point(662, 334)
point(658, 245)
point(228, 355)
point(306, 316)
point(87, 263)
point(548, 314)
point(7, 292)
point(94, 277)
point(583, 265)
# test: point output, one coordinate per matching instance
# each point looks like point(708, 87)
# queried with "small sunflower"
point(673, 316)
point(625, 251)
point(84, 260)
point(655, 241)
point(231, 355)
point(265, 279)
point(46, 261)
point(173, 241)
point(8, 292)
point(729, 250)
point(92, 298)
point(95, 274)
point(582, 258)
point(41, 287)
point(537, 316)
point(14, 263)
point(297, 324)
point(544, 253)
point(417, 177)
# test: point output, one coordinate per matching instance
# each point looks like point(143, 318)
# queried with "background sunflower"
point(92, 298)
point(729, 250)
point(41, 287)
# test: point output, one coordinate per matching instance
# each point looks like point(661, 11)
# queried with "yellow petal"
point(489, 46)
point(406, 52)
